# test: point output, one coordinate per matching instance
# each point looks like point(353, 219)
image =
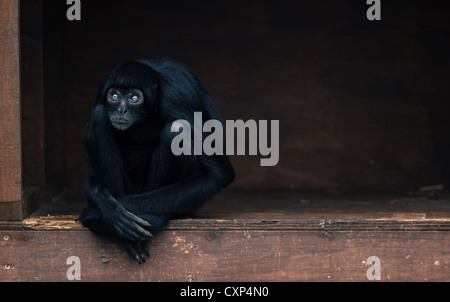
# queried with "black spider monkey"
point(135, 184)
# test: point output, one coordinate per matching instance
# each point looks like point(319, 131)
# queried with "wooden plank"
point(229, 255)
point(10, 127)
point(284, 210)
point(246, 236)
point(11, 211)
point(70, 222)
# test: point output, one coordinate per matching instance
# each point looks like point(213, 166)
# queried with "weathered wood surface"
point(10, 133)
point(229, 255)
point(247, 236)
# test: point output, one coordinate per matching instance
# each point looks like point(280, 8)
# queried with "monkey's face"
point(125, 107)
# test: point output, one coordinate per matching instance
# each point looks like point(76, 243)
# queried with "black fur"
point(135, 185)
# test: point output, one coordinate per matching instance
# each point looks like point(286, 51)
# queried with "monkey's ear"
point(155, 86)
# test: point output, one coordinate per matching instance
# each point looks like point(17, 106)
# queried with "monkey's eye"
point(114, 97)
point(134, 98)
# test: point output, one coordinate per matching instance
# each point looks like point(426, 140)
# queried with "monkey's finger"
point(136, 230)
point(126, 230)
point(124, 233)
point(143, 233)
point(131, 250)
point(140, 223)
point(128, 215)
point(138, 256)
point(140, 250)
point(144, 247)
point(137, 219)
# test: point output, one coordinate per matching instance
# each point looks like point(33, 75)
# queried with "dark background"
point(360, 103)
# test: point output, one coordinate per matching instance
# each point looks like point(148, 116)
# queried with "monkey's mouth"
point(120, 123)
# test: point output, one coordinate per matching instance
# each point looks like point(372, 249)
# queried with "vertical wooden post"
point(34, 144)
point(10, 112)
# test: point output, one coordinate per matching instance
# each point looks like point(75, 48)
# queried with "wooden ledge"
point(246, 236)
point(230, 250)
point(283, 210)
point(409, 223)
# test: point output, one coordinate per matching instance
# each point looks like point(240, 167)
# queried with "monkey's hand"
point(127, 225)
point(136, 250)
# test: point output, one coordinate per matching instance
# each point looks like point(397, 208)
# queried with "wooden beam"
point(229, 255)
point(10, 123)
point(246, 236)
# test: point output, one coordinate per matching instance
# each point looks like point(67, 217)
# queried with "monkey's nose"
point(122, 110)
